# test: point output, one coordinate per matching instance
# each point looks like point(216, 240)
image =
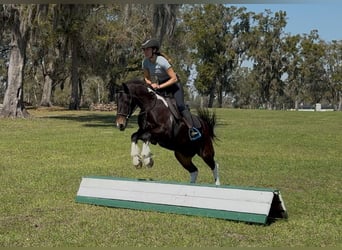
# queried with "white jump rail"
point(255, 205)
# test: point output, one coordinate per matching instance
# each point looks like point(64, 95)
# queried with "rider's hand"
point(155, 86)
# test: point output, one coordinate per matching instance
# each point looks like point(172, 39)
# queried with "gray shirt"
point(158, 70)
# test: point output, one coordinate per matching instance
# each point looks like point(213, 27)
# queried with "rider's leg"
point(194, 133)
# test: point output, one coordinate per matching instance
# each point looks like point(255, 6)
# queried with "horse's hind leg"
point(216, 174)
point(214, 168)
point(207, 154)
point(186, 162)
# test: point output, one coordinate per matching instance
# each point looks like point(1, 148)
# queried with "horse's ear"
point(125, 88)
point(118, 89)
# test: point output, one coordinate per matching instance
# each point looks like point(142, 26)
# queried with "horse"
point(158, 124)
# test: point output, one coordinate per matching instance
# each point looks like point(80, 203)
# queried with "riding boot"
point(194, 133)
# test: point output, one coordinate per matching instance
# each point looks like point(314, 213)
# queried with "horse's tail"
point(209, 118)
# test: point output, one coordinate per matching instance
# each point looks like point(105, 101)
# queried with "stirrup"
point(194, 134)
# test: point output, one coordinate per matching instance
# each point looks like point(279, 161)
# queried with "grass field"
point(42, 160)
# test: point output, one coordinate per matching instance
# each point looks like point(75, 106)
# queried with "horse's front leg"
point(146, 155)
point(135, 151)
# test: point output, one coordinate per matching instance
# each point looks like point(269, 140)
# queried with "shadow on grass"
point(94, 120)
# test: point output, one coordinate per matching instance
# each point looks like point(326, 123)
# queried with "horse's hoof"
point(137, 162)
point(138, 166)
point(148, 162)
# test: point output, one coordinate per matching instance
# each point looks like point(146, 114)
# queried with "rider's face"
point(148, 52)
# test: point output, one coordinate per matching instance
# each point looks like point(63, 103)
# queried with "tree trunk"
point(211, 98)
point(47, 88)
point(164, 20)
point(74, 101)
point(296, 105)
point(220, 95)
point(112, 89)
point(13, 105)
point(127, 13)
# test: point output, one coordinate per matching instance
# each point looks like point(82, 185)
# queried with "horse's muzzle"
point(121, 123)
point(121, 127)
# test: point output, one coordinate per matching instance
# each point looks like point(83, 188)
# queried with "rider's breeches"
point(179, 96)
point(177, 92)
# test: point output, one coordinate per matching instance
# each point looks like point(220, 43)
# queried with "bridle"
point(130, 110)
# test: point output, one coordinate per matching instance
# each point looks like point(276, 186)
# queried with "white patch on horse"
point(135, 153)
point(159, 97)
point(216, 174)
point(146, 155)
point(193, 177)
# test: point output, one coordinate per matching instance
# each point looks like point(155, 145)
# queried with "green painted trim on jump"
point(185, 184)
point(228, 215)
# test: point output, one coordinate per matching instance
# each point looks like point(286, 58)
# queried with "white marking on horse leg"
point(193, 177)
point(135, 153)
point(135, 149)
point(145, 149)
point(147, 155)
point(216, 174)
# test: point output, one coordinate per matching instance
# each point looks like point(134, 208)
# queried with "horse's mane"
point(136, 81)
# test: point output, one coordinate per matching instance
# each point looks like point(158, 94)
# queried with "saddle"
point(171, 102)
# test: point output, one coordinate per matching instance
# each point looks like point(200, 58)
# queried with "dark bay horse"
point(158, 125)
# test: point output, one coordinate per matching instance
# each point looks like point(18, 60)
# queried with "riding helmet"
point(151, 43)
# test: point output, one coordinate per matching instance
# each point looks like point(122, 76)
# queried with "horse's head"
point(135, 94)
point(125, 107)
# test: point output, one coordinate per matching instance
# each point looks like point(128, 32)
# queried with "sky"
point(325, 16)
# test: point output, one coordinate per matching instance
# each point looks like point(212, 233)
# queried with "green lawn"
point(42, 161)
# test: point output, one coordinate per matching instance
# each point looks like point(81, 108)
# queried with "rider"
point(159, 74)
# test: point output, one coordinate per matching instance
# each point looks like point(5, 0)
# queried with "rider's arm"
point(173, 78)
point(147, 77)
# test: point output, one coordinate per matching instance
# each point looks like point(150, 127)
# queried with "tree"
point(47, 54)
point(4, 57)
point(111, 49)
point(314, 66)
point(164, 20)
point(217, 46)
point(71, 20)
point(295, 87)
point(245, 88)
point(18, 19)
point(267, 55)
point(334, 70)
